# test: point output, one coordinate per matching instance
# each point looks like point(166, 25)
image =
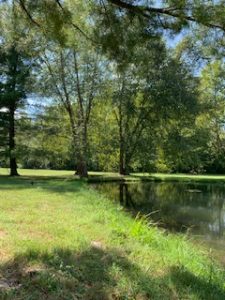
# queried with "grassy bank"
point(60, 239)
point(104, 176)
point(110, 176)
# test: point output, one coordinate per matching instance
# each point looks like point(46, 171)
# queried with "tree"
point(146, 89)
point(212, 88)
point(4, 120)
point(171, 14)
point(131, 111)
point(15, 68)
point(176, 14)
point(73, 76)
point(148, 96)
point(42, 138)
point(13, 73)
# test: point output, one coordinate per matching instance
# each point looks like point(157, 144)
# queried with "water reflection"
point(198, 208)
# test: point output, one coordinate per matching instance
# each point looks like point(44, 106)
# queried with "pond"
point(196, 208)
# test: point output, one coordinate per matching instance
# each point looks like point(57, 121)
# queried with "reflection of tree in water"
point(125, 196)
point(217, 227)
point(177, 206)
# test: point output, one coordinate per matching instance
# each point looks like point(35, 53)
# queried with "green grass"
point(60, 239)
point(107, 176)
point(110, 176)
point(39, 173)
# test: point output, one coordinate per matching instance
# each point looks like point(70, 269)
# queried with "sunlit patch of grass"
point(60, 239)
point(32, 174)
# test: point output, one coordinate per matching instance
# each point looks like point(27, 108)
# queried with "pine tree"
point(13, 76)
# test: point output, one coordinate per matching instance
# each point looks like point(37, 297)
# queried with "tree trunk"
point(122, 162)
point(122, 141)
point(123, 168)
point(79, 145)
point(81, 167)
point(12, 145)
point(82, 152)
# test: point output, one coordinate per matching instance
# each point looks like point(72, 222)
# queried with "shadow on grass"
point(97, 274)
point(50, 183)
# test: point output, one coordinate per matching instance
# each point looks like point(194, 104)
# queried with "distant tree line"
point(94, 86)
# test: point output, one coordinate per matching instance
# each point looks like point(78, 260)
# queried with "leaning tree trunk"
point(12, 145)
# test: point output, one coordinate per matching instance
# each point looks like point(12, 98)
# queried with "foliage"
point(115, 96)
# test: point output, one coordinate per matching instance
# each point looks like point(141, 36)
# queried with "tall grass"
point(60, 239)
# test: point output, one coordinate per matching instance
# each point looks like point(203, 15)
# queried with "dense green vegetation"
point(107, 90)
point(52, 243)
point(110, 176)
point(116, 96)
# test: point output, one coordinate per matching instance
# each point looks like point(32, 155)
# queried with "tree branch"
point(24, 8)
point(79, 93)
point(146, 11)
point(72, 23)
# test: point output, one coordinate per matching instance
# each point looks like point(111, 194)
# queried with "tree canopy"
point(97, 85)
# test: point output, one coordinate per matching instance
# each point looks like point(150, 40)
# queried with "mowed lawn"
point(61, 239)
point(108, 176)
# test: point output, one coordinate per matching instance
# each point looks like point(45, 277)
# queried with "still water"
point(196, 208)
